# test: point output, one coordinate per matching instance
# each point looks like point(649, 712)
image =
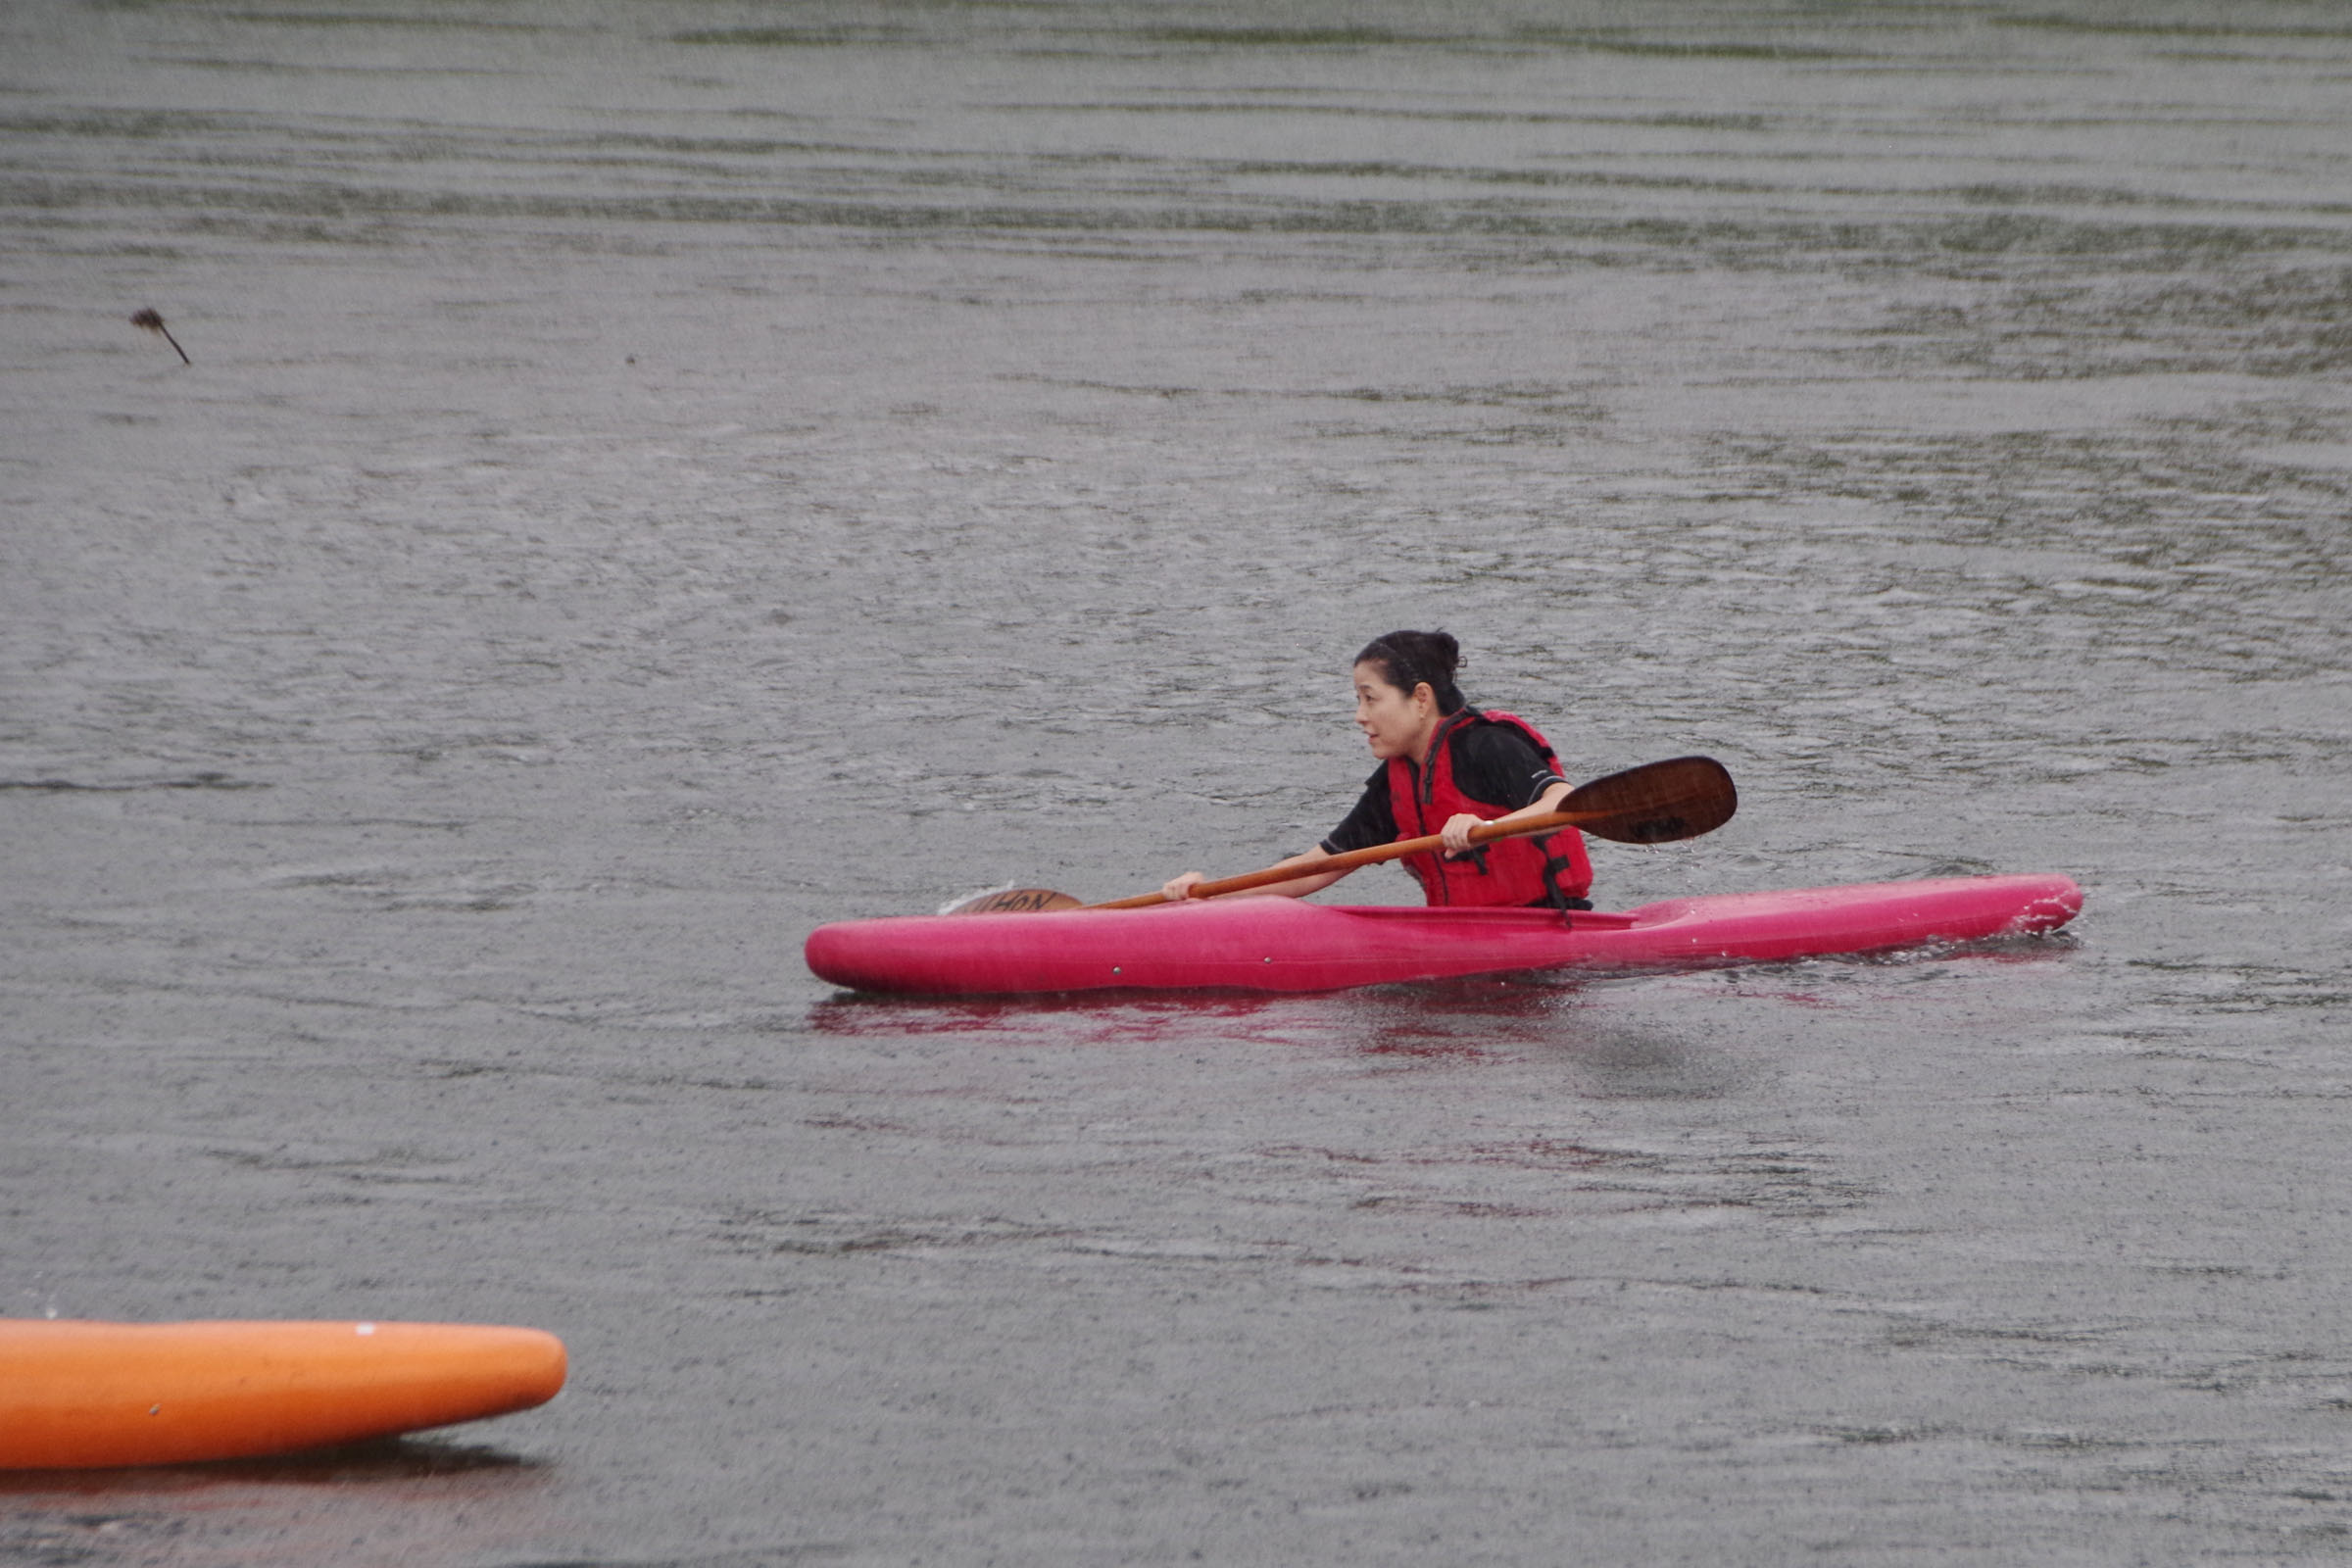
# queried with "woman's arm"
point(1176, 890)
point(1456, 831)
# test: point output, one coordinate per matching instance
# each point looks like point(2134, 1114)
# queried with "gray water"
point(653, 480)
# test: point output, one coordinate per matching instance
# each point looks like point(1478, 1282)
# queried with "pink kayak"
point(1277, 944)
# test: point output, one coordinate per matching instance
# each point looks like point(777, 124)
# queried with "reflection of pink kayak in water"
point(1277, 944)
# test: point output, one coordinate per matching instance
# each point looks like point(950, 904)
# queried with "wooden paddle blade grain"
point(1657, 802)
point(1017, 901)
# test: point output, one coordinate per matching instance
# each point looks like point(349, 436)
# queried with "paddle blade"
point(1016, 901)
point(1656, 802)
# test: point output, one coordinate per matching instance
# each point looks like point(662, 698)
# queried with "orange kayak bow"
point(87, 1396)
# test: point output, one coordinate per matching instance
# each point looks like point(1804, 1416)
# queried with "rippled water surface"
point(652, 479)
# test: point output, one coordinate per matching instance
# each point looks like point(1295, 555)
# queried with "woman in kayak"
point(1446, 769)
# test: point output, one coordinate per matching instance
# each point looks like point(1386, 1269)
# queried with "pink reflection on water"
point(1450, 1019)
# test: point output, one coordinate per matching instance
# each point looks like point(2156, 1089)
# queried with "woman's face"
point(1395, 723)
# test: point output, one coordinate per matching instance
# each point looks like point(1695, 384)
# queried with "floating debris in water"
point(153, 323)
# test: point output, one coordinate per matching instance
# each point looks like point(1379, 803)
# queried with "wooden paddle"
point(1656, 802)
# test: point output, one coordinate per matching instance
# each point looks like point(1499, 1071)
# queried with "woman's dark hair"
point(1406, 658)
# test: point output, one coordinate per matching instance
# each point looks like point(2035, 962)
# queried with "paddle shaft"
point(1657, 802)
point(1484, 833)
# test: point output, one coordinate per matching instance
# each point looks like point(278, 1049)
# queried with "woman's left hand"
point(1456, 832)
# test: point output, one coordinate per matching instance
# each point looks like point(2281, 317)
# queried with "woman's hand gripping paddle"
point(1656, 802)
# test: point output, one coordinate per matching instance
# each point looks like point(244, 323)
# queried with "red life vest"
point(1506, 871)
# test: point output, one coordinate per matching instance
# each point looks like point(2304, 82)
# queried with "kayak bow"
point(87, 1396)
